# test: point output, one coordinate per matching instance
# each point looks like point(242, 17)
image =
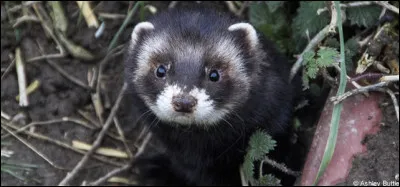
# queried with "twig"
point(172, 4)
point(64, 119)
point(281, 167)
point(88, 14)
point(242, 8)
point(354, 83)
point(25, 4)
point(42, 57)
point(8, 69)
point(97, 143)
point(231, 7)
point(395, 103)
point(388, 6)
point(87, 116)
point(25, 19)
point(60, 143)
point(347, 5)
point(367, 76)
point(23, 102)
point(389, 78)
point(33, 149)
point(127, 166)
point(5, 116)
point(338, 99)
point(121, 134)
point(111, 16)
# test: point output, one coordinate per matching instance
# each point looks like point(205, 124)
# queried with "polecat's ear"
point(139, 29)
point(250, 33)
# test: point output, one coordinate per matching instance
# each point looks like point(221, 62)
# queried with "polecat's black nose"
point(184, 103)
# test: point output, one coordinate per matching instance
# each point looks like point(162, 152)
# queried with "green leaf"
point(312, 69)
point(248, 168)
point(327, 56)
point(332, 42)
point(274, 5)
point(308, 56)
point(260, 144)
point(351, 49)
point(268, 180)
point(364, 16)
point(306, 80)
point(307, 19)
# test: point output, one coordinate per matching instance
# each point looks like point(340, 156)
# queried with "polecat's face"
point(186, 78)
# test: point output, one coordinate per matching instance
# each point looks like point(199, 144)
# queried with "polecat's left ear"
point(250, 33)
point(139, 30)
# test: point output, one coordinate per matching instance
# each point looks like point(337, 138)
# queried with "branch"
point(281, 167)
point(340, 98)
point(388, 6)
point(97, 143)
point(395, 103)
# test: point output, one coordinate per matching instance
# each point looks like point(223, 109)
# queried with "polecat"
point(209, 81)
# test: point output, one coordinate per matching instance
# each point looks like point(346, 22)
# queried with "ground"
point(58, 97)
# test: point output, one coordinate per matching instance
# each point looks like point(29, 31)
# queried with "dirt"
point(380, 164)
point(58, 97)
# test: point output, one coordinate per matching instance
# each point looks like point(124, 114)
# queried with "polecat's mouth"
point(193, 107)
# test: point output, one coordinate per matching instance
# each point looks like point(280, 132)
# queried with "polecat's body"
point(209, 82)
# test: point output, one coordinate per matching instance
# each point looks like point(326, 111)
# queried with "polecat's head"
point(190, 69)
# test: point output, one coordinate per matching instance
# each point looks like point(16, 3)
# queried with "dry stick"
point(8, 69)
point(119, 170)
point(23, 101)
point(111, 15)
point(121, 134)
point(97, 143)
point(281, 167)
point(25, 4)
point(61, 144)
point(395, 103)
point(388, 6)
point(338, 99)
point(64, 119)
point(22, 19)
point(347, 5)
point(33, 149)
point(5, 116)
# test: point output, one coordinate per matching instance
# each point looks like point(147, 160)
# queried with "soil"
point(58, 97)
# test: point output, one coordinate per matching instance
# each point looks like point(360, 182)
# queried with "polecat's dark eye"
point(161, 71)
point(214, 76)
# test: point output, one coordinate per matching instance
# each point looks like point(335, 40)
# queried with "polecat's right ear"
point(250, 33)
point(139, 30)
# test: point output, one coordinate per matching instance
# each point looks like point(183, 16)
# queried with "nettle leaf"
point(308, 56)
point(364, 16)
point(268, 180)
point(308, 19)
point(351, 49)
point(248, 168)
point(274, 5)
point(327, 56)
point(332, 42)
point(312, 69)
point(260, 144)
